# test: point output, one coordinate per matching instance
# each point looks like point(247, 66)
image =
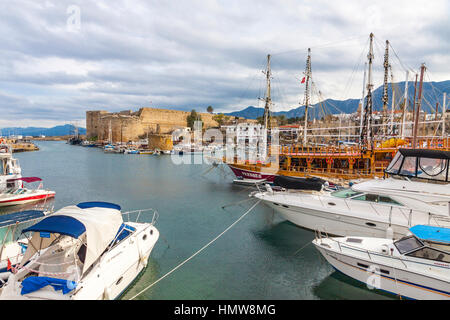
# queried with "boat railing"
point(142, 213)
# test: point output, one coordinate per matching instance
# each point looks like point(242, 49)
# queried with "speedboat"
point(21, 195)
point(85, 251)
point(377, 208)
point(131, 151)
point(416, 266)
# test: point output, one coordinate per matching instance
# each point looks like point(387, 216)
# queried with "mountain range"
point(432, 93)
point(63, 130)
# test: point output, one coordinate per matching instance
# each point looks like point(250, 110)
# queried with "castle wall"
point(131, 126)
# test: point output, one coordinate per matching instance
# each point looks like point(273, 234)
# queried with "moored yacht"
point(18, 194)
point(83, 252)
point(416, 266)
point(9, 168)
point(375, 207)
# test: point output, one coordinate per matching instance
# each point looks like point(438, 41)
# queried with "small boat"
point(144, 151)
point(82, 252)
point(416, 266)
point(109, 148)
point(20, 195)
point(131, 151)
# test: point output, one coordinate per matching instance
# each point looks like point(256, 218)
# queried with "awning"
point(66, 225)
point(425, 153)
point(18, 217)
point(27, 180)
point(431, 233)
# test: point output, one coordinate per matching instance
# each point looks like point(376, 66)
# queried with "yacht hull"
point(393, 280)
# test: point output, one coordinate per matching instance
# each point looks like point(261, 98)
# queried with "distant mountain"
point(432, 94)
point(64, 130)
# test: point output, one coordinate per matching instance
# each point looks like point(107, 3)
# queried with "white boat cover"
point(101, 226)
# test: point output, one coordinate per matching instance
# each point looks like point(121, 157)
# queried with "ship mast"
point(268, 99)
point(366, 138)
point(385, 86)
point(419, 102)
point(405, 106)
point(307, 94)
point(361, 103)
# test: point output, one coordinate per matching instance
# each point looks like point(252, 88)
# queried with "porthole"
point(365, 266)
point(151, 231)
point(370, 224)
point(144, 237)
point(284, 206)
point(119, 281)
point(331, 203)
point(276, 204)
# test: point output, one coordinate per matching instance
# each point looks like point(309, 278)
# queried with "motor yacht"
point(416, 266)
point(415, 192)
point(84, 251)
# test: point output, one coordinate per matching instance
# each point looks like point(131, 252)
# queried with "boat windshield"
point(345, 193)
point(431, 254)
point(423, 164)
point(408, 244)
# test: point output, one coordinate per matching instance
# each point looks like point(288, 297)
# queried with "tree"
point(210, 109)
point(221, 118)
point(194, 116)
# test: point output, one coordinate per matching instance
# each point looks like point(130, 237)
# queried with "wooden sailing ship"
point(366, 159)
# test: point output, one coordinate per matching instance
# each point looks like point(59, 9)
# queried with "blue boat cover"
point(437, 234)
point(32, 284)
point(98, 204)
point(59, 224)
point(12, 218)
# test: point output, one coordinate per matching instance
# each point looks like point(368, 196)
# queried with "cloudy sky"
point(61, 58)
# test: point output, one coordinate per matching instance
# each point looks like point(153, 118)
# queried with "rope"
point(196, 253)
point(308, 243)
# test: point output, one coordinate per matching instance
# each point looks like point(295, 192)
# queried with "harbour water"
point(261, 257)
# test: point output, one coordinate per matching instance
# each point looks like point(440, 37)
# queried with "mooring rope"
point(197, 252)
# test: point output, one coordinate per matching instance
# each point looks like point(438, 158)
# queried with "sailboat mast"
point(307, 95)
point(405, 106)
point(268, 97)
point(419, 102)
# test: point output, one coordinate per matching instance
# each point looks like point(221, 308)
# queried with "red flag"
point(9, 265)
point(303, 80)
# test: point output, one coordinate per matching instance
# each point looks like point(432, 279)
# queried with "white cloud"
point(191, 54)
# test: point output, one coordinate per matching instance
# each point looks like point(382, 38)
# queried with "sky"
point(59, 59)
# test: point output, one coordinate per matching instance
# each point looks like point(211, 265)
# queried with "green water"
point(257, 259)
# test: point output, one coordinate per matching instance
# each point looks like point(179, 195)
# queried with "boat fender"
point(106, 293)
point(389, 233)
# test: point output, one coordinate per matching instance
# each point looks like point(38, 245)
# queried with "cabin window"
point(345, 193)
point(432, 168)
point(408, 244)
point(367, 197)
point(409, 166)
point(377, 199)
point(395, 163)
point(431, 254)
point(384, 199)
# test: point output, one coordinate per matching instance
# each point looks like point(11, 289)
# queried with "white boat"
point(9, 168)
point(375, 207)
point(416, 266)
point(82, 252)
point(20, 195)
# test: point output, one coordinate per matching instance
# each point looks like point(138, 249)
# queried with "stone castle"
point(131, 126)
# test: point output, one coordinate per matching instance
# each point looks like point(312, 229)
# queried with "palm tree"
point(210, 109)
